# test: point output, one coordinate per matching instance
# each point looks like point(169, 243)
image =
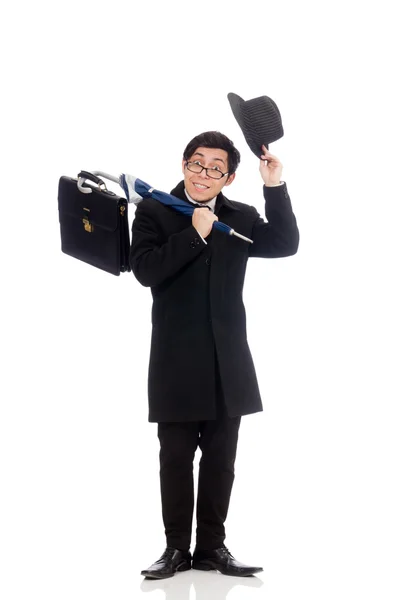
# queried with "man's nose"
point(204, 174)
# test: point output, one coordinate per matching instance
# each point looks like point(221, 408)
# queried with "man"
point(201, 374)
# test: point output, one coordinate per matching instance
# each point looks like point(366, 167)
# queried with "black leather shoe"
point(221, 560)
point(171, 560)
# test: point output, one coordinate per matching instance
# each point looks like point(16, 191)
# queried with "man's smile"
point(200, 186)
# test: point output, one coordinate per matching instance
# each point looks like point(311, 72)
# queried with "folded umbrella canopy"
point(136, 190)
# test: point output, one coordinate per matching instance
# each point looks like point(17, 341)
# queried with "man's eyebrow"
point(200, 154)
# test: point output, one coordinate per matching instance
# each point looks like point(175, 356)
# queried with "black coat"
point(197, 301)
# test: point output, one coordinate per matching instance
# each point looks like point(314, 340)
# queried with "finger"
point(271, 158)
point(266, 151)
point(267, 154)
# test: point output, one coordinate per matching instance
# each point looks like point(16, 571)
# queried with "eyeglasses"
point(196, 167)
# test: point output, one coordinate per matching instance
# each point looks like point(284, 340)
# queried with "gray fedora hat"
point(259, 120)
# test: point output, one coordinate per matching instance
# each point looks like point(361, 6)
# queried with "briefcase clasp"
point(88, 226)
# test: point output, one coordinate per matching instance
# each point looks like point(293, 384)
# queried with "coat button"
point(196, 240)
point(207, 261)
point(192, 245)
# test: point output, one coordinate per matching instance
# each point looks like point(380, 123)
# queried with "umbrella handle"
point(107, 176)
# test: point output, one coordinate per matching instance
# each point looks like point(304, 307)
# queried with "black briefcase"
point(94, 226)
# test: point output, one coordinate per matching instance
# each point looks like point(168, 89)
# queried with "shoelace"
point(227, 552)
point(168, 553)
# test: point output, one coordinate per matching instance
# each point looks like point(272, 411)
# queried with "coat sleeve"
point(151, 259)
point(280, 235)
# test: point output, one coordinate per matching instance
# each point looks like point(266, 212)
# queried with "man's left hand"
point(270, 167)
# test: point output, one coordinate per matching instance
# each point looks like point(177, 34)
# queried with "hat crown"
point(263, 106)
point(259, 119)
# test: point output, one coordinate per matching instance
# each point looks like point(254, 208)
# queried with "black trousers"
point(217, 440)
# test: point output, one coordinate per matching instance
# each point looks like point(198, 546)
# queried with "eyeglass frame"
point(192, 162)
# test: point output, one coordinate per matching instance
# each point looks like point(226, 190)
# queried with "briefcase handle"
point(83, 175)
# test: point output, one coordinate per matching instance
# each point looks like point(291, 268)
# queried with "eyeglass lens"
point(195, 168)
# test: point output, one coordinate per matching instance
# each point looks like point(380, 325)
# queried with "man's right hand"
point(203, 219)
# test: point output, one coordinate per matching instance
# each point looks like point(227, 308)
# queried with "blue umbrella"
point(136, 190)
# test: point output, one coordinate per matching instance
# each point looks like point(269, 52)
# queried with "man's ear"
point(184, 161)
point(230, 179)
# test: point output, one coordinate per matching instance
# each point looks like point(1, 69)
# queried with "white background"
point(122, 87)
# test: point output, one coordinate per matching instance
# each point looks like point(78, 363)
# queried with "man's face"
point(199, 186)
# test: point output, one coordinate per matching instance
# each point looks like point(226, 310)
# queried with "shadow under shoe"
point(221, 560)
point(171, 561)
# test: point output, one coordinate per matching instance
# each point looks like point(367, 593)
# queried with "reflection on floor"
point(206, 586)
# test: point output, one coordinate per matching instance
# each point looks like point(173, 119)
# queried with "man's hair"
point(214, 139)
